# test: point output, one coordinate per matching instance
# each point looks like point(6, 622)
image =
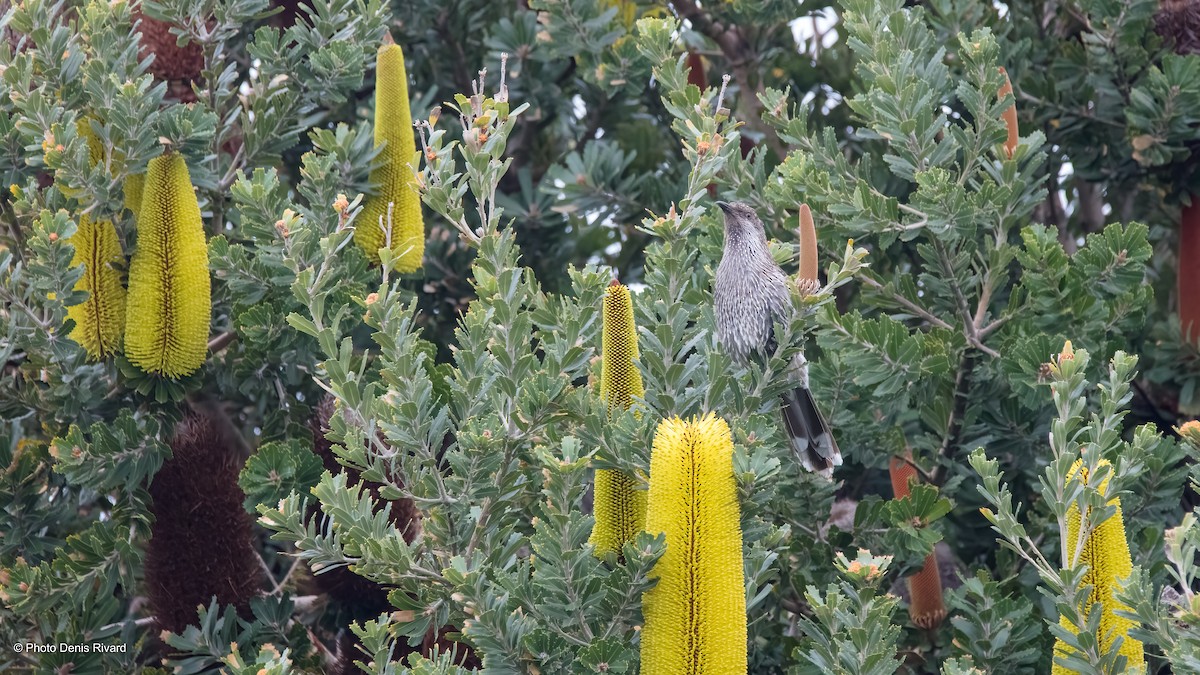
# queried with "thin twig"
point(912, 306)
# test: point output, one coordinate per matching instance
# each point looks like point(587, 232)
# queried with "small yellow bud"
point(1067, 353)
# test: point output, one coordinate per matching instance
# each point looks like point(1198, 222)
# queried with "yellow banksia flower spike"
point(99, 320)
point(619, 507)
point(95, 148)
point(695, 617)
point(1106, 553)
point(133, 193)
point(169, 308)
point(398, 197)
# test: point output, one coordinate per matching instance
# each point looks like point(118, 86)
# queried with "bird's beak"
point(724, 206)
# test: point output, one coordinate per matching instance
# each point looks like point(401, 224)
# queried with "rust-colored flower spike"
point(201, 540)
point(1106, 554)
point(620, 508)
point(394, 213)
point(1010, 116)
point(169, 306)
point(100, 319)
point(175, 65)
point(695, 616)
point(926, 606)
point(807, 280)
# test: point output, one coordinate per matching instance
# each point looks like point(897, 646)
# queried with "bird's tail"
point(812, 442)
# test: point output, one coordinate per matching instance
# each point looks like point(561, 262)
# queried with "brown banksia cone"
point(926, 608)
point(1178, 22)
point(363, 597)
point(200, 543)
point(178, 66)
point(292, 10)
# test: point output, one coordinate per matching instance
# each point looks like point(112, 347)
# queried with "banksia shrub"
point(394, 212)
point(1106, 554)
point(695, 617)
point(169, 307)
point(926, 606)
point(620, 508)
point(200, 543)
point(100, 319)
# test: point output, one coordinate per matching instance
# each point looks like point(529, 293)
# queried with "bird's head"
point(741, 222)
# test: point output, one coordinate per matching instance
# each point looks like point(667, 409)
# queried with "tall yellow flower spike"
point(620, 508)
point(133, 193)
point(166, 330)
point(1106, 553)
point(100, 319)
point(695, 617)
point(395, 178)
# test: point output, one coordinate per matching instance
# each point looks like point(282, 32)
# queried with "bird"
point(750, 293)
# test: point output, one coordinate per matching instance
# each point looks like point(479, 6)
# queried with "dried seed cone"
point(99, 320)
point(695, 617)
point(926, 605)
point(166, 330)
point(1178, 22)
point(395, 178)
point(1106, 554)
point(619, 507)
point(178, 66)
point(201, 540)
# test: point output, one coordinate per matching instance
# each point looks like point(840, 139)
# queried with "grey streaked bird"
point(750, 294)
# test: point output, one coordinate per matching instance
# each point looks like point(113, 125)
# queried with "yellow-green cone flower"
point(619, 507)
point(99, 320)
point(95, 148)
point(1106, 553)
point(695, 617)
point(133, 193)
point(169, 309)
point(394, 177)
